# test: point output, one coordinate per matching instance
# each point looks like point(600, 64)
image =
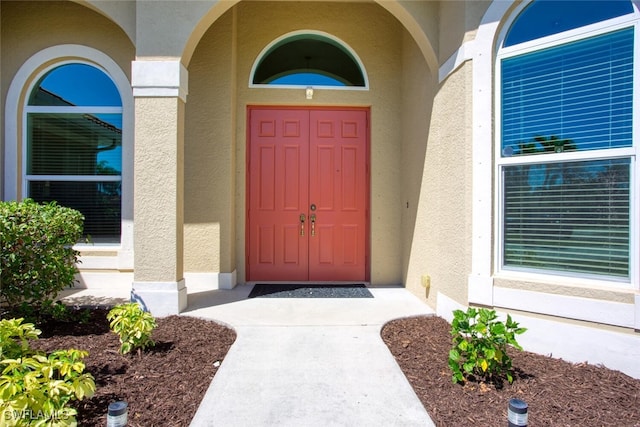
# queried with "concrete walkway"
point(302, 362)
point(308, 362)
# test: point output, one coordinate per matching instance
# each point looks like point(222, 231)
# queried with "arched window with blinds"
point(73, 150)
point(566, 144)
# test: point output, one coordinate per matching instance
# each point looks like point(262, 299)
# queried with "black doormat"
point(305, 290)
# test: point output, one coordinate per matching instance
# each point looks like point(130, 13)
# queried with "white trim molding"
point(155, 78)
point(463, 54)
point(312, 33)
point(637, 313)
point(207, 281)
point(480, 290)
point(572, 307)
point(479, 284)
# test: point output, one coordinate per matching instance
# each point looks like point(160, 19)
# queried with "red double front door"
point(307, 195)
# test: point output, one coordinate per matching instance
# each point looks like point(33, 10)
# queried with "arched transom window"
point(308, 59)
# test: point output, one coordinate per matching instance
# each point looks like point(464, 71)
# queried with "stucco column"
point(159, 90)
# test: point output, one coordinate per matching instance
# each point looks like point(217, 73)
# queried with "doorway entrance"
point(308, 194)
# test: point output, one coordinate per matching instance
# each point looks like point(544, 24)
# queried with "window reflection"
point(74, 146)
point(77, 85)
point(546, 17)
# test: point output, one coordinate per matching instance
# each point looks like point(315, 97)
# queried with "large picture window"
point(73, 151)
point(566, 140)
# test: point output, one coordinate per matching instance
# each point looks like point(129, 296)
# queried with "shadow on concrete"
point(216, 297)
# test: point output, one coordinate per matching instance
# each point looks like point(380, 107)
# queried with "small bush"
point(37, 258)
point(480, 345)
point(133, 326)
point(35, 388)
point(15, 337)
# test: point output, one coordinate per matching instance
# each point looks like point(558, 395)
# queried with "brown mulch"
point(163, 385)
point(558, 393)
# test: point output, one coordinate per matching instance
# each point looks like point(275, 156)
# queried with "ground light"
point(117, 414)
point(518, 413)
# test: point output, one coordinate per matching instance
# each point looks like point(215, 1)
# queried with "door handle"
point(302, 219)
point(312, 217)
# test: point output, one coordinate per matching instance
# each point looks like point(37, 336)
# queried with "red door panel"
point(338, 188)
point(278, 191)
point(300, 160)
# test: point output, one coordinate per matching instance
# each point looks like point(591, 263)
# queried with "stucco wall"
point(441, 235)
point(462, 19)
point(418, 89)
point(122, 12)
point(28, 27)
point(159, 208)
point(210, 153)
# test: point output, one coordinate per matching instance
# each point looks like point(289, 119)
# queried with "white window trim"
point(322, 34)
point(565, 37)
point(626, 152)
point(15, 112)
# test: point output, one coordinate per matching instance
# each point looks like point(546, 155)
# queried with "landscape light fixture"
point(518, 413)
point(117, 414)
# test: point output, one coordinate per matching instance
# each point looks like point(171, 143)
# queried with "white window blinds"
point(571, 217)
point(561, 215)
point(580, 91)
point(73, 150)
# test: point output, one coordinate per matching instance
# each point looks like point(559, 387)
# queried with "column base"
point(160, 298)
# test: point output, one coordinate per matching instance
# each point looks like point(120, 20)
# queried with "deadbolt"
point(312, 207)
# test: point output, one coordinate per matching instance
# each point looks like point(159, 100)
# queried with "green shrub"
point(133, 326)
point(15, 336)
point(480, 344)
point(37, 258)
point(35, 388)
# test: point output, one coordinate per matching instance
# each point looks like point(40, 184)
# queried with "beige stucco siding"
point(441, 235)
point(210, 153)
point(159, 171)
point(28, 27)
point(121, 12)
point(417, 106)
point(568, 289)
point(462, 19)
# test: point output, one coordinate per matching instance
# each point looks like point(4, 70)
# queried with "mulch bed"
point(163, 385)
point(558, 393)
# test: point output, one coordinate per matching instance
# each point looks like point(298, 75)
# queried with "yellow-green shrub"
point(35, 388)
